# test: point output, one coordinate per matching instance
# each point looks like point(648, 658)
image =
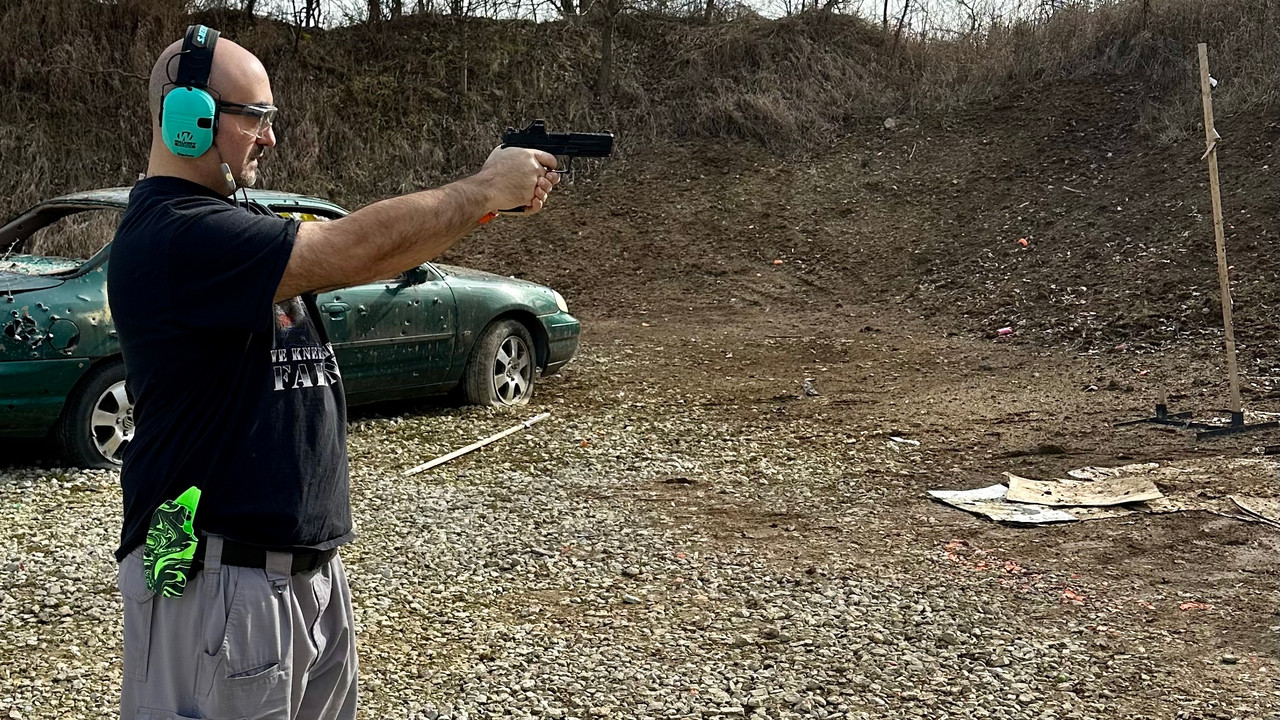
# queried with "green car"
point(430, 331)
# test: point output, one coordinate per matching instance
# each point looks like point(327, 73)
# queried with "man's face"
point(251, 135)
point(244, 128)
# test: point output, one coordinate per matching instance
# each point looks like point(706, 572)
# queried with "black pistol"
point(561, 144)
point(566, 144)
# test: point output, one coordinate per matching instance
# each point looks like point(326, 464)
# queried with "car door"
point(437, 325)
point(393, 338)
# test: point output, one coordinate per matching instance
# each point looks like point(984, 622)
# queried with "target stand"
point(1184, 421)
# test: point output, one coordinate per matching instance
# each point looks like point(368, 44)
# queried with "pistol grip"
point(490, 216)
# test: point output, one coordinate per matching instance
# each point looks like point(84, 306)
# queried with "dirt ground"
point(883, 271)
point(979, 408)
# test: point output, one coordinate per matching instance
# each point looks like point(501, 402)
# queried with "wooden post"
point(1211, 152)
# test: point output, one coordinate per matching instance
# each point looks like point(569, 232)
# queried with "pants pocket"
point(262, 695)
point(219, 599)
point(138, 605)
point(247, 675)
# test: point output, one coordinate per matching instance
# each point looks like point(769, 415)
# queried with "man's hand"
point(519, 178)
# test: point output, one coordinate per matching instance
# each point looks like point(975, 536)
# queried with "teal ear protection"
point(188, 112)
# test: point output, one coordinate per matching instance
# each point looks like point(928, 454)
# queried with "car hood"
point(14, 282)
point(469, 274)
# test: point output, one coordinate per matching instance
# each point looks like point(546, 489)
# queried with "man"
point(245, 612)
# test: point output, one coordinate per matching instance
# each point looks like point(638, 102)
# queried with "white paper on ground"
point(1114, 490)
point(991, 502)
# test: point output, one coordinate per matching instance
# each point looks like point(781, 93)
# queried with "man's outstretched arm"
point(391, 236)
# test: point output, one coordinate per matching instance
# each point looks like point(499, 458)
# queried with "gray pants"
point(241, 643)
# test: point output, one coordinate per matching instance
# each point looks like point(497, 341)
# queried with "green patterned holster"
point(171, 544)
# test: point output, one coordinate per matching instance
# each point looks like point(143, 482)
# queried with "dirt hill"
point(788, 168)
point(928, 216)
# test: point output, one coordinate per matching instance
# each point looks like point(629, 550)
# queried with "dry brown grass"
point(75, 236)
point(369, 113)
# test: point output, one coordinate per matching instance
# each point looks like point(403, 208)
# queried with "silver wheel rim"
point(111, 424)
point(512, 371)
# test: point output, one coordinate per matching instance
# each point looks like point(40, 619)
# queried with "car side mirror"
point(414, 276)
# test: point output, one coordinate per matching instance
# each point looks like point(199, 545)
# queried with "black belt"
point(234, 553)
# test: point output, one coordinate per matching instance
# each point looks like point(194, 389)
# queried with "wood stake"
point(476, 445)
point(1211, 150)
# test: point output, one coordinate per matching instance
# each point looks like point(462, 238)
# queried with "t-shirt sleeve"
point(225, 264)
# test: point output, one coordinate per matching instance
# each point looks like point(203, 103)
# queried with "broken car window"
point(62, 244)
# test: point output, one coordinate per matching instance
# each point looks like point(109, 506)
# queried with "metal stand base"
point(1237, 425)
point(1205, 430)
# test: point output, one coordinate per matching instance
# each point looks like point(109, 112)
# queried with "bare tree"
point(306, 16)
point(608, 11)
point(897, 34)
point(973, 16)
point(375, 11)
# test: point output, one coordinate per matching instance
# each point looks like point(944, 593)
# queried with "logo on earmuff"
point(185, 140)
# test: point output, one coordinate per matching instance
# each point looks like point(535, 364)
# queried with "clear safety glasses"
point(265, 115)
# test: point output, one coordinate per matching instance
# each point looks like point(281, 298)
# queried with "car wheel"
point(97, 422)
point(501, 369)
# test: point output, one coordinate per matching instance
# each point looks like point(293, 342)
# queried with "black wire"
point(168, 66)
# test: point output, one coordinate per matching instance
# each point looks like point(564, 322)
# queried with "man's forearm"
point(383, 239)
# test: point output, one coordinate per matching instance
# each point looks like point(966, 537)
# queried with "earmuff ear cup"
point(188, 120)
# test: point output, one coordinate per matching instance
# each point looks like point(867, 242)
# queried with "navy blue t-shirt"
point(233, 393)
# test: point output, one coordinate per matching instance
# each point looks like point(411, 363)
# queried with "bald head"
point(236, 78)
point(236, 75)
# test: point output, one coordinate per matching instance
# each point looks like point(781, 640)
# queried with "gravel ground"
point(642, 553)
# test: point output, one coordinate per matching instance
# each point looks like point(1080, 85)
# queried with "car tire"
point(502, 367)
point(97, 421)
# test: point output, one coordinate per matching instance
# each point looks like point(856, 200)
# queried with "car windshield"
point(57, 239)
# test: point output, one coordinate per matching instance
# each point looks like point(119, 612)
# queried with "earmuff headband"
point(196, 59)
